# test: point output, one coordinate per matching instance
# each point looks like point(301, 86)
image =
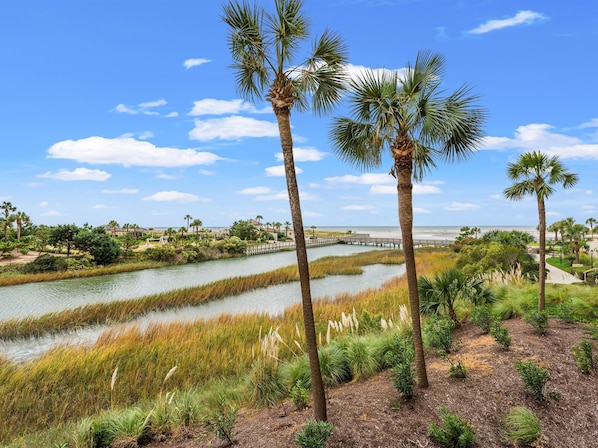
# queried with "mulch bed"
point(372, 414)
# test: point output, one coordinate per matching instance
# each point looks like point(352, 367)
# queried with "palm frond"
point(323, 74)
point(248, 48)
point(356, 143)
point(289, 27)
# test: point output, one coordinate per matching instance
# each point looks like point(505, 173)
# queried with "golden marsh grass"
point(68, 383)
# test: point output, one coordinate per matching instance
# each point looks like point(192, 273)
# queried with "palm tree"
point(188, 218)
point(287, 226)
point(264, 48)
point(22, 220)
point(591, 222)
point(408, 115)
point(113, 226)
point(7, 208)
point(534, 174)
point(196, 224)
point(443, 290)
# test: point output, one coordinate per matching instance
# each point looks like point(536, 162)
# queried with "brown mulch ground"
point(370, 413)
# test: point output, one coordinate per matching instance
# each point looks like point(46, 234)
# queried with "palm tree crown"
point(407, 114)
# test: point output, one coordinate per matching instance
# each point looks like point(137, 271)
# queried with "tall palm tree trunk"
point(286, 140)
point(404, 168)
point(542, 267)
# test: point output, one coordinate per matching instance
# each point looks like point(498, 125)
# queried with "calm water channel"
point(34, 299)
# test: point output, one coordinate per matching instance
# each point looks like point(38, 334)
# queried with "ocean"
point(422, 232)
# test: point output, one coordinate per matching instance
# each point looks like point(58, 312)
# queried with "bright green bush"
point(538, 320)
point(314, 434)
point(401, 358)
point(534, 378)
point(501, 335)
point(584, 358)
point(438, 333)
point(455, 431)
point(221, 419)
point(482, 317)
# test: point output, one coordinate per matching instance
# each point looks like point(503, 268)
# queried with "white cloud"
point(142, 108)
point(311, 214)
point(210, 106)
point(532, 137)
point(278, 171)
point(358, 71)
point(284, 195)
point(194, 62)
point(461, 206)
point(171, 115)
point(122, 191)
point(51, 213)
point(232, 128)
point(419, 210)
point(127, 152)
point(521, 18)
point(145, 135)
point(206, 172)
point(593, 123)
point(496, 196)
point(553, 214)
point(43, 204)
point(417, 189)
point(165, 176)
point(364, 179)
point(359, 207)
point(77, 174)
point(124, 109)
point(255, 190)
point(304, 155)
point(174, 196)
point(99, 206)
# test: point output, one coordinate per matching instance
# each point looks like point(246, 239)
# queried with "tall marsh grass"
point(69, 383)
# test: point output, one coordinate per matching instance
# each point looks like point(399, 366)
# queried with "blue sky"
point(127, 110)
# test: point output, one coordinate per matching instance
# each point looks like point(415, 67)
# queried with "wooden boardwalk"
point(270, 248)
point(365, 239)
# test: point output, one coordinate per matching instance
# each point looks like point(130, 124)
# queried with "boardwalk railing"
point(288, 245)
point(365, 239)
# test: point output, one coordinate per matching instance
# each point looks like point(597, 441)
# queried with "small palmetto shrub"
point(521, 426)
point(455, 432)
point(584, 357)
point(501, 335)
point(314, 434)
point(534, 378)
point(482, 317)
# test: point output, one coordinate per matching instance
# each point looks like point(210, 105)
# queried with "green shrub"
point(565, 311)
point(187, 408)
point(314, 434)
point(360, 356)
point(221, 420)
point(265, 383)
point(334, 365)
point(457, 370)
point(103, 431)
point(534, 378)
point(438, 333)
point(538, 320)
point(501, 335)
point(299, 396)
point(521, 426)
point(402, 375)
point(46, 263)
point(584, 358)
point(482, 317)
point(455, 431)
